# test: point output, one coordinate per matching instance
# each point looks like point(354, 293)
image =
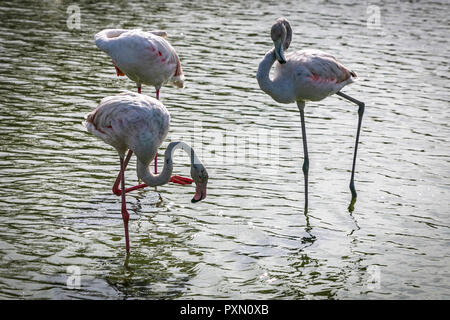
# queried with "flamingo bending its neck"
point(305, 75)
point(146, 58)
point(140, 123)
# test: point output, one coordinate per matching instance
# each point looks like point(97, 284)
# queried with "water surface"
point(250, 238)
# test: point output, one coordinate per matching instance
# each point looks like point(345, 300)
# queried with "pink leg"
point(125, 215)
point(180, 180)
point(156, 156)
point(115, 188)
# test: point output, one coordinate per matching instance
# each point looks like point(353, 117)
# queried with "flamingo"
point(305, 75)
point(140, 123)
point(145, 58)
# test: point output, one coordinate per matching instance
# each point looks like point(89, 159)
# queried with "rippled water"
point(250, 237)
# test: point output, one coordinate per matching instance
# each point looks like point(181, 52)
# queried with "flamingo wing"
point(314, 74)
point(320, 65)
point(130, 121)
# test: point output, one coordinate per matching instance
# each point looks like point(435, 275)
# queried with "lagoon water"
point(250, 239)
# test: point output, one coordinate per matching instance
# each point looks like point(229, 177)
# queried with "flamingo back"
point(130, 121)
point(145, 57)
point(314, 74)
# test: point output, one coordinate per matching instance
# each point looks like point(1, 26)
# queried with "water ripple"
point(250, 238)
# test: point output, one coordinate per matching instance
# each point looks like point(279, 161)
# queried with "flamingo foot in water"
point(181, 180)
point(126, 218)
point(173, 179)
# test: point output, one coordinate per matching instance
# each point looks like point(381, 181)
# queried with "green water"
point(250, 238)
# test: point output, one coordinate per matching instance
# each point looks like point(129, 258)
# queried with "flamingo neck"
point(178, 76)
point(102, 39)
point(153, 180)
point(277, 88)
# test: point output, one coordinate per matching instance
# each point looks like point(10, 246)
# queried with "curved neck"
point(276, 88)
point(102, 39)
point(264, 81)
point(288, 39)
point(143, 171)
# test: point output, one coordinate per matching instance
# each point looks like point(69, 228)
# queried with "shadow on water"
point(310, 239)
point(144, 275)
point(154, 268)
point(336, 282)
point(305, 270)
point(356, 228)
point(351, 206)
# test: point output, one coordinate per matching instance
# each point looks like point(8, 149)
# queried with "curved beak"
point(279, 51)
point(200, 193)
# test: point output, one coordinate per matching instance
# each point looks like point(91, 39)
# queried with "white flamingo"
point(140, 123)
point(305, 75)
point(146, 58)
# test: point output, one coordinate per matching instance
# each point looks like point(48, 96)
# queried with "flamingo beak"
point(279, 51)
point(200, 193)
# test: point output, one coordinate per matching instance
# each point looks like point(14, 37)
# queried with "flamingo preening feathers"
point(144, 57)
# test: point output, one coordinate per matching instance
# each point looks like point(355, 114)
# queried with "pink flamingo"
point(305, 75)
point(145, 58)
point(140, 123)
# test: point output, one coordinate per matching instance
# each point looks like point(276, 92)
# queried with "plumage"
point(144, 57)
point(317, 74)
point(130, 121)
point(307, 75)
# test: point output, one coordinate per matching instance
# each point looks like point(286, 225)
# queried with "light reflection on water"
point(250, 238)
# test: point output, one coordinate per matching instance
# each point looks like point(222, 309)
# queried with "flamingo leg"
point(125, 215)
point(156, 156)
point(156, 163)
point(361, 108)
point(115, 188)
point(305, 168)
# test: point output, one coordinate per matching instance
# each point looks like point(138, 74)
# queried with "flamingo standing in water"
point(140, 123)
point(145, 58)
point(305, 75)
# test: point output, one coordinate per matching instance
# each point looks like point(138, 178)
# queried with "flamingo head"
point(281, 35)
point(178, 77)
point(200, 177)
